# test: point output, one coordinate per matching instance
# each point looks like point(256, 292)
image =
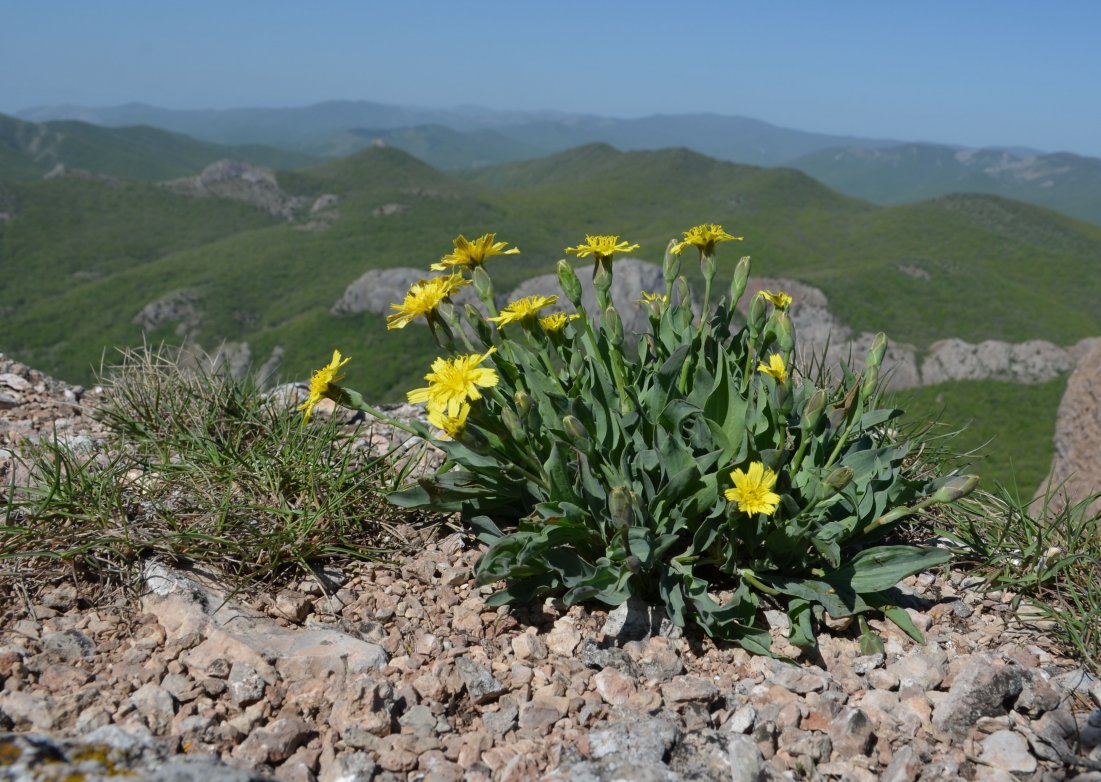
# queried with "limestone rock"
point(1076, 466)
point(1034, 361)
point(180, 306)
point(239, 181)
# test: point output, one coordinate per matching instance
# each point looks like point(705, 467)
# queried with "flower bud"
point(571, 286)
point(670, 265)
point(836, 481)
point(576, 431)
point(633, 563)
point(758, 309)
point(737, 285)
point(512, 423)
point(619, 507)
point(785, 332)
point(707, 266)
point(873, 363)
point(523, 402)
point(483, 284)
point(813, 410)
point(956, 488)
point(613, 326)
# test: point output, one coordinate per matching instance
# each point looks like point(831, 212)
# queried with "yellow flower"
point(468, 254)
point(453, 381)
point(753, 490)
point(774, 367)
point(780, 300)
point(704, 238)
point(523, 309)
point(452, 425)
point(653, 298)
point(601, 247)
point(321, 385)
point(557, 321)
point(423, 298)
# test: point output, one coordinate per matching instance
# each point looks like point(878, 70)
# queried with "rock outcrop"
point(254, 185)
point(1035, 361)
point(1076, 466)
point(180, 306)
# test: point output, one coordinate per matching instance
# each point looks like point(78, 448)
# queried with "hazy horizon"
point(1012, 74)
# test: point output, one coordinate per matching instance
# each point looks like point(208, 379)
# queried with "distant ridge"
point(911, 172)
point(313, 127)
point(32, 149)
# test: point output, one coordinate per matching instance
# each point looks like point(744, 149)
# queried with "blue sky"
point(968, 71)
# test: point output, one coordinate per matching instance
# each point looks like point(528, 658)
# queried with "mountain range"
point(884, 171)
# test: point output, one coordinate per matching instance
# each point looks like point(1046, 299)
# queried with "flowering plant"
point(696, 468)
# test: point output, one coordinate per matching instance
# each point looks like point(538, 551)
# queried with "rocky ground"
point(400, 672)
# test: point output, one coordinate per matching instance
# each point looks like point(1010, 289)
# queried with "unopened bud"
point(633, 563)
point(613, 326)
point(813, 410)
point(836, 481)
point(523, 402)
point(619, 507)
point(872, 364)
point(758, 309)
point(670, 265)
point(707, 266)
point(785, 332)
point(737, 285)
point(571, 286)
point(512, 423)
point(483, 284)
point(956, 488)
point(576, 430)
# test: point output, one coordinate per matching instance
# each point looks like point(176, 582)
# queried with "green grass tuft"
point(198, 468)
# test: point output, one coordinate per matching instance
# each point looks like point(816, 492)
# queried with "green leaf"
point(902, 618)
point(559, 484)
point(870, 642)
point(882, 567)
point(802, 630)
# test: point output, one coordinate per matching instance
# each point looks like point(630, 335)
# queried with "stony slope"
point(401, 672)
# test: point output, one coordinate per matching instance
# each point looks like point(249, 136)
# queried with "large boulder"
point(240, 181)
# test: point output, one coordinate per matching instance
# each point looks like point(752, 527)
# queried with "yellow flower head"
point(704, 238)
point(321, 384)
point(753, 490)
point(557, 321)
point(469, 255)
point(523, 309)
point(452, 425)
point(423, 298)
point(601, 247)
point(774, 367)
point(780, 300)
point(453, 381)
point(653, 298)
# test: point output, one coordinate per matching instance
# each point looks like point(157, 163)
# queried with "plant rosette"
point(695, 467)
